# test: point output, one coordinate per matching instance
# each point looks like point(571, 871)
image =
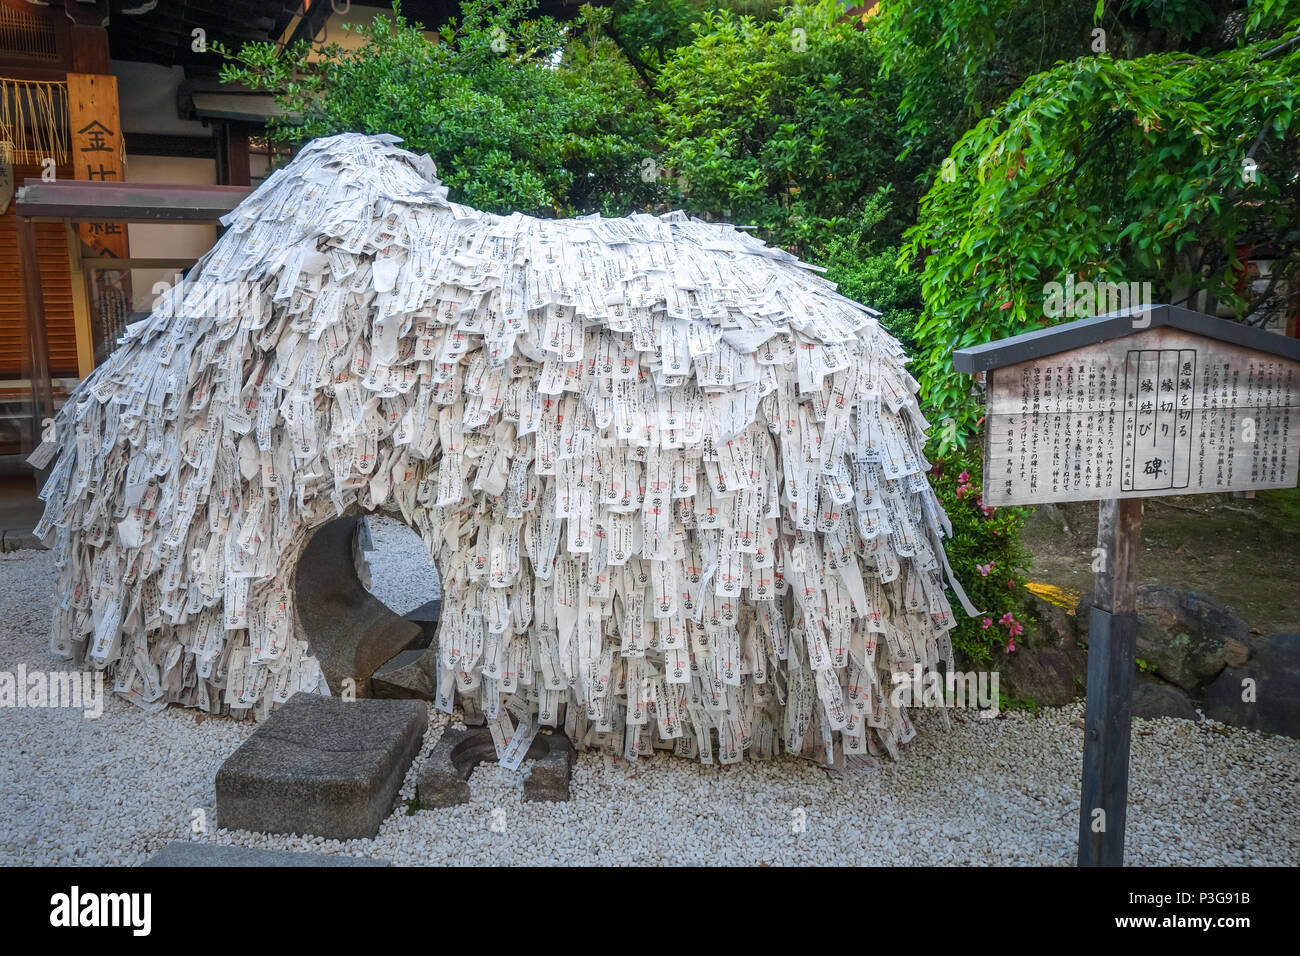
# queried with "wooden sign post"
point(1112, 657)
point(1114, 409)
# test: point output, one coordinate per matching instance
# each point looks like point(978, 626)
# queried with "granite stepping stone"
point(323, 766)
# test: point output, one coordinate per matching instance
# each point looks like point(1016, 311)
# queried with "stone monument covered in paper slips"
point(670, 478)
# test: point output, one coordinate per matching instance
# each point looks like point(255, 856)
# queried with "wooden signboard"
point(98, 155)
point(1113, 409)
point(97, 151)
point(1158, 412)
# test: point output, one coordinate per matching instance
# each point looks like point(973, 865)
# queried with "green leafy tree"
point(956, 60)
point(1151, 169)
point(783, 124)
point(987, 556)
point(865, 268)
point(650, 31)
point(517, 113)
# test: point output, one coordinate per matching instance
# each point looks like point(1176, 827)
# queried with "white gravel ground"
point(113, 790)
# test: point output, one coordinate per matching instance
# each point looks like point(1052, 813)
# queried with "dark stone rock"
point(444, 775)
point(208, 854)
point(411, 674)
point(18, 540)
point(350, 631)
point(1057, 624)
point(549, 777)
point(426, 616)
point(442, 780)
point(1183, 633)
point(1274, 702)
point(323, 766)
point(1155, 699)
point(1235, 653)
point(1050, 676)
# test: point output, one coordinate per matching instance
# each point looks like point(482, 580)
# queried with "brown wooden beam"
point(238, 171)
point(82, 201)
point(89, 49)
point(161, 144)
point(37, 341)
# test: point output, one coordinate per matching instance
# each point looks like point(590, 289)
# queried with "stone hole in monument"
point(370, 616)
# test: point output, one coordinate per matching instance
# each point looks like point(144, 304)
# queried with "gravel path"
point(400, 572)
point(113, 790)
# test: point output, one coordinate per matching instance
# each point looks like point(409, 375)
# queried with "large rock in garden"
point(485, 376)
point(1055, 609)
point(1156, 699)
point(1048, 667)
point(1049, 676)
point(1272, 703)
point(1186, 635)
point(323, 766)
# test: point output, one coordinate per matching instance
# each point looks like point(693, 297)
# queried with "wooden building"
point(128, 91)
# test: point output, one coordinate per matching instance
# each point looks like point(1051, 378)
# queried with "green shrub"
point(986, 555)
point(866, 270)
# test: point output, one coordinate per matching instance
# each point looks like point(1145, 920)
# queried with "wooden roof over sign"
point(1102, 328)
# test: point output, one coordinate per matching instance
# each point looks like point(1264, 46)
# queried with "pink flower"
point(984, 569)
point(1011, 585)
point(988, 512)
point(1011, 646)
point(964, 477)
point(961, 492)
point(1016, 629)
point(1007, 618)
point(988, 622)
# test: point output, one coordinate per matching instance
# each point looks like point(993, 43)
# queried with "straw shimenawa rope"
point(33, 119)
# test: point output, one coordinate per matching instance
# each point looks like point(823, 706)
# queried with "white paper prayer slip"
point(673, 482)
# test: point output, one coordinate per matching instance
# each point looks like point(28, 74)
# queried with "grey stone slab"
point(20, 539)
point(321, 765)
point(208, 854)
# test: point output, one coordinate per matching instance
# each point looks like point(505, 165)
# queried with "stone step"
point(322, 765)
point(180, 853)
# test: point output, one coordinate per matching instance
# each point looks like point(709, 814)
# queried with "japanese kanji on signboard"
point(1162, 411)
